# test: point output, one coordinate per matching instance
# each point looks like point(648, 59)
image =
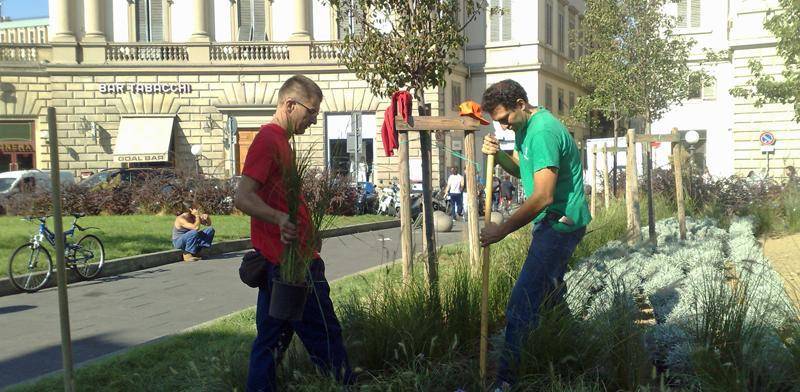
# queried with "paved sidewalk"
point(115, 313)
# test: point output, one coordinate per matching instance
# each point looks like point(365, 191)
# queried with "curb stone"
point(135, 263)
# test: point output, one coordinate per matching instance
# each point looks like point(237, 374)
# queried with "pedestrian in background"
point(186, 233)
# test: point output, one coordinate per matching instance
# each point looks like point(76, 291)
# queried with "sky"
point(22, 9)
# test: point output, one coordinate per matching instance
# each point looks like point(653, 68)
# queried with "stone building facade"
point(187, 85)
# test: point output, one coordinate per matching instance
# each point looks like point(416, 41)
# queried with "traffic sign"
point(767, 138)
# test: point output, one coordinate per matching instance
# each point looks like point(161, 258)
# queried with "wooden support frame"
point(428, 124)
point(631, 181)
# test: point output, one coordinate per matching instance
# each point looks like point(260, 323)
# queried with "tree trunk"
point(428, 235)
point(651, 216)
point(632, 192)
point(616, 151)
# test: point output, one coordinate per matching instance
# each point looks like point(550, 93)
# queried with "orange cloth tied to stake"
point(472, 109)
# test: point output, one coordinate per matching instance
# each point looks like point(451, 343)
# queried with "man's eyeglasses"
point(311, 112)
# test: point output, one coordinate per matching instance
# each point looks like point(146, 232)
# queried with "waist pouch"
point(254, 270)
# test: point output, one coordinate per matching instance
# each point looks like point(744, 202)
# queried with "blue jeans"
point(192, 240)
point(319, 330)
point(458, 204)
point(541, 282)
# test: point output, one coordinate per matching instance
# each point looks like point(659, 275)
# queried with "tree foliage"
point(634, 65)
point(765, 87)
point(404, 44)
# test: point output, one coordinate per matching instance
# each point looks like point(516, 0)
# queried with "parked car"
point(129, 175)
point(29, 180)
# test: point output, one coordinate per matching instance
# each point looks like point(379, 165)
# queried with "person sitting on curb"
point(186, 235)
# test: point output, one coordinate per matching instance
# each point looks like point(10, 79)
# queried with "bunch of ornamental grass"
point(298, 254)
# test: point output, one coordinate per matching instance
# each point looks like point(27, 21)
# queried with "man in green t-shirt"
point(548, 162)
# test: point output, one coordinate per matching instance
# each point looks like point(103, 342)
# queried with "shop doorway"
point(353, 158)
point(245, 138)
point(17, 150)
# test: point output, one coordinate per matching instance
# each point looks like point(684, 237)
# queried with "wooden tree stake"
point(632, 192)
point(604, 168)
point(472, 200)
point(405, 208)
point(593, 204)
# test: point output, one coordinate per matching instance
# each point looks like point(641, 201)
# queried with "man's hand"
point(204, 219)
point(490, 145)
point(288, 229)
point(492, 233)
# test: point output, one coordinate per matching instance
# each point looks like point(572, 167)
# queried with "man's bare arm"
point(247, 201)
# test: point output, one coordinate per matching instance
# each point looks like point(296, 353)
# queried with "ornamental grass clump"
point(299, 253)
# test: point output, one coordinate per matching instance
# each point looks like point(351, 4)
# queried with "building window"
point(252, 20)
point(580, 38)
point(561, 32)
point(2, 37)
point(548, 96)
point(500, 24)
point(21, 37)
point(349, 19)
point(41, 37)
point(548, 23)
point(149, 21)
point(571, 34)
point(571, 101)
point(561, 101)
point(710, 90)
point(688, 13)
point(696, 92)
point(455, 93)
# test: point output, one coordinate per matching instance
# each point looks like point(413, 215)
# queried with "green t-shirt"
point(545, 142)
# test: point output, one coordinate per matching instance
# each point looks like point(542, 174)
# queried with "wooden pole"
point(604, 168)
point(487, 217)
point(405, 208)
point(677, 157)
point(632, 193)
point(472, 200)
point(428, 235)
point(61, 272)
point(593, 205)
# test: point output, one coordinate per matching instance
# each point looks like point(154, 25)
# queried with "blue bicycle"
point(31, 267)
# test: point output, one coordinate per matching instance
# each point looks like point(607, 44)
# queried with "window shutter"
point(494, 22)
point(506, 20)
point(572, 36)
point(682, 15)
point(259, 21)
point(561, 32)
point(710, 91)
point(548, 97)
point(561, 101)
point(695, 12)
point(157, 20)
point(548, 23)
point(358, 28)
point(245, 20)
point(142, 31)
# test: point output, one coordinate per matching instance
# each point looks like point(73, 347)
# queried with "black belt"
point(552, 216)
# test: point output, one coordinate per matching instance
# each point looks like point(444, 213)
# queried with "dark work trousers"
point(541, 277)
point(319, 330)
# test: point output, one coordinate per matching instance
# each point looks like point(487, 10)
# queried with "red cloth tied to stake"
point(401, 104)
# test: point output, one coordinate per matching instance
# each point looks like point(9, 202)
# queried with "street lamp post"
point(691, 138)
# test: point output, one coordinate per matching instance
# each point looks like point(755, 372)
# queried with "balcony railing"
point(247, 52)
point(24, 53)
point(143, 53)
point(321, 50)
point(151, 53)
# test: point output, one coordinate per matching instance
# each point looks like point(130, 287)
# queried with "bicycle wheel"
point(29, 267)
point(89, 257)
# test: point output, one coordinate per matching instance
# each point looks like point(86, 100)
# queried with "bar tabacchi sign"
point(145, 88)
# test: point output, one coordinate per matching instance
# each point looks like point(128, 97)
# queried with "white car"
point(18, 180)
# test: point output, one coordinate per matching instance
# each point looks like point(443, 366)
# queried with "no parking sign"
point(767, 140)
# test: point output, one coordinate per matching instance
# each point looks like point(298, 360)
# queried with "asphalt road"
point(115, 313)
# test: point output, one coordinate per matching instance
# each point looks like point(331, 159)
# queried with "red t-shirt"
point(266, 158)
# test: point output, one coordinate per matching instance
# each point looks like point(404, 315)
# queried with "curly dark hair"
point(505, 93)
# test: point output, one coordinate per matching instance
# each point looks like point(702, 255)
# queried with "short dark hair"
point(299, 85)
point(505, 93)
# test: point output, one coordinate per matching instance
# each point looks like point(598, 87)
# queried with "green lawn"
point(129, 235)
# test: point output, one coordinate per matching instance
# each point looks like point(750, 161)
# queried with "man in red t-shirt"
point(262, 195)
